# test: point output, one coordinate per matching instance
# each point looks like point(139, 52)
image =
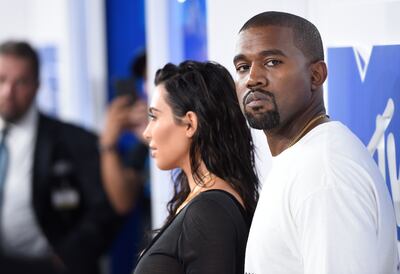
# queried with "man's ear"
point(319, 72)
point(190, 121)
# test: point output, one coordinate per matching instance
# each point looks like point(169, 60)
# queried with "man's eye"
point(242, 68)
point(23, 82)
point(272, 63)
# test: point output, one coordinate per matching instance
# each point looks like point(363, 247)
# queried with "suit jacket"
point(68, 198)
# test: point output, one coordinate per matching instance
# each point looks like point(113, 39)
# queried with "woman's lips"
point(152, 151)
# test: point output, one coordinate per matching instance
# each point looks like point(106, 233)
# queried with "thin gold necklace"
point(305, 128)
point(197, 189)
point(193, 193)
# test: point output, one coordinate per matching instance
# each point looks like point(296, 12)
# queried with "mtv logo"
point(363, 92)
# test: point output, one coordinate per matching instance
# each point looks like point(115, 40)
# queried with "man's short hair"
point(305, 35)
point(22, 50)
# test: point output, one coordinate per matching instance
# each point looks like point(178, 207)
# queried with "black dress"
point(208, 236)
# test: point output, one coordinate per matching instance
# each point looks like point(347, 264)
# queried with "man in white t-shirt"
point(324, 207)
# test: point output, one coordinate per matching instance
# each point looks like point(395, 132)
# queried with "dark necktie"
point(4, 158)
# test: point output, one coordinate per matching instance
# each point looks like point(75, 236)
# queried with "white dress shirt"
point(21, 234)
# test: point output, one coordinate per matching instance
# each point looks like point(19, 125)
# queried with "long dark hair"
point(223, 140)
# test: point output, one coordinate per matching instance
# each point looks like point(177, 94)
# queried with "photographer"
point(122, 181)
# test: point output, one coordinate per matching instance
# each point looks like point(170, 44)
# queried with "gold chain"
point(196, 189)
point(305, 128)
point(193, 193)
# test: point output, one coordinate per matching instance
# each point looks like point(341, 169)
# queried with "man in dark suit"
point(54, 214)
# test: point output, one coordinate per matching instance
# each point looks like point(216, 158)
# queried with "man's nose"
point(6, 89)
point(257, 77)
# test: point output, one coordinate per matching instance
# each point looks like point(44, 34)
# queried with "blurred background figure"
point(54, 214)
point(124, 160)
point(123, 165)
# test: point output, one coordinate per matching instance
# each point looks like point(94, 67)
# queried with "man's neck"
point(289, 133)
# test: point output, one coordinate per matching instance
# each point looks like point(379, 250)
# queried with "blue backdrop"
point(125, 32)
point(187, 30)
point(359, 88)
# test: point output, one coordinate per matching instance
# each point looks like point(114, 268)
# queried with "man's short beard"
point(12, 117)
point(265, 121)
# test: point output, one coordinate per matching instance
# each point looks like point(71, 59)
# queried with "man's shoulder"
point(337, 136)
point(63, 128)
point(330, 143)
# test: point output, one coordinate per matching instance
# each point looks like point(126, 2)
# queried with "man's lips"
point(255, 98)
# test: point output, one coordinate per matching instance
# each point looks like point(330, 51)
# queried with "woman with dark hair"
point(196, 125)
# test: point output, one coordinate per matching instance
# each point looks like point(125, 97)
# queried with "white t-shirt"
point(324, 209)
